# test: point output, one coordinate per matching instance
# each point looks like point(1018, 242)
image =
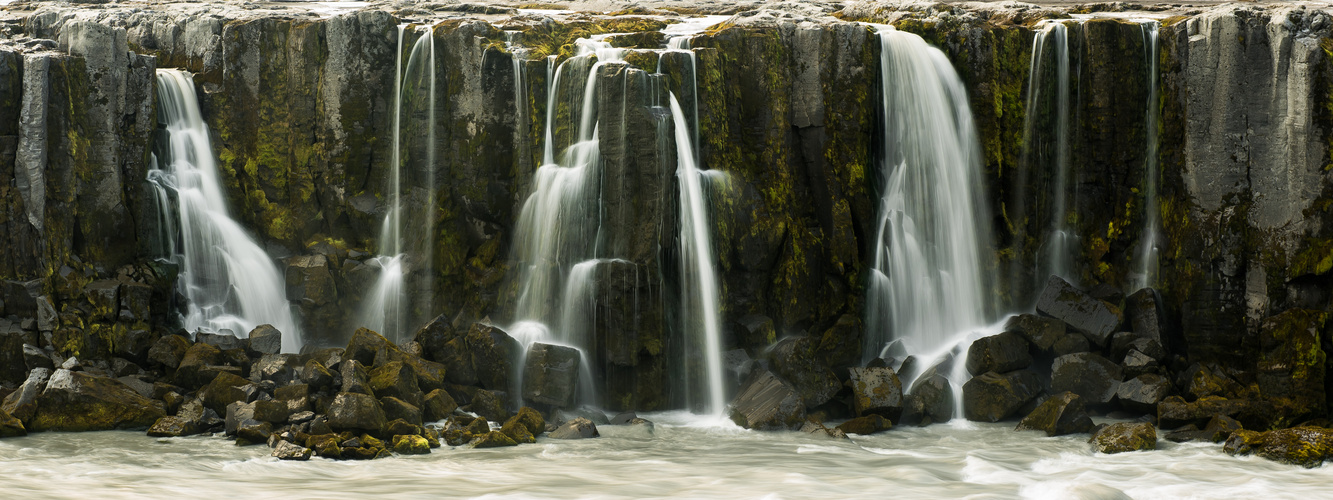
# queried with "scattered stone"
point(1059, 415)
point(1292, 363)
point(579, 428)
point(291, 451)
point(517, 431)
point(866, 425)
point(623, 418)
point(191, 373)
point(1094, 378)
point(238, 415)
point(1174, 412)
point(1092, 317)
point(171, 426)
point(493, 439)
point(365, 345)
point(278, 368)
point(1125, 436)
point(22, 403)
point(34, 357)
point(1000, 353)
point(551, 374)
point(876, 391)
point(253, 432)
point(531, 419)
point(1137, 363)
point(766, 402)
point(991, 397)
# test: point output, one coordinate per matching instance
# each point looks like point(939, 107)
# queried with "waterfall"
point(1049, 121)
point(229, 282)
point(557, 233)
point(926, 284)
point(385, 309)
point(1146, 256)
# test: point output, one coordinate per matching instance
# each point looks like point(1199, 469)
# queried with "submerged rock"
point(866, 425)
point(579, 428)
point(766, 402)
point(493, 439)
point(1219, 428)
point(991, 397)
point(1059, 415)
point(1125, 436)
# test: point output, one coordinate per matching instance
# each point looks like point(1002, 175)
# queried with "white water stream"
point(678, 460)
point(1048, 149)
point(1146, 256)
point(927, 285)
point(229, 282)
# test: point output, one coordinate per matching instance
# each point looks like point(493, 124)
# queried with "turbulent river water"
point(681, 458)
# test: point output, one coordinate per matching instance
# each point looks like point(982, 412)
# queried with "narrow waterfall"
point(926, 285)
point(385, 309)
point(1146, 256)
point(556, 238)
point(1046, 145)
point(700, 306)
point(230, 283)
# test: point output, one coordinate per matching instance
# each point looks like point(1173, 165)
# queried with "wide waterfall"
point(1046, 145)
point(229, 282)
point(1146, 256)
point(927, 284)
point(385, 310)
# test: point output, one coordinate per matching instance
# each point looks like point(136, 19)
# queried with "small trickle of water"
point(927, 284)
point(229, 282)
point(1046, 145)
point(1146, 257)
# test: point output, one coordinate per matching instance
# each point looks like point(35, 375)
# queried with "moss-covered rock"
point(1060, 414)
point(1125, 436)
point(410, 444)
point(78, 401)
point(1304, 446)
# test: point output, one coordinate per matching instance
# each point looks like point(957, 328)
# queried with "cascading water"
point(385, 309)
point(555, 239)
point(1146, 256)
point(1046, 144)
point(229, 282)
point(927, 282)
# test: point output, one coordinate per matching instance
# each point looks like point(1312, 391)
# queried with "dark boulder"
point(355, 378)
point(1092, 377)
point(866, 425)
point(1071, 344)
point(755, 329)
point(223, 390)
point(531, 419)
point(489, 405)
point(397, 409)
point(494, 439)
point(1137, 363)
point(355, 411)
point(279, 368)
point(1145, 315)
point(34, 357)
point(171, 426)
point(1000, 353)
point(437, 405)
point(316, 375)
point(876, 391)
point(365, 345)
point(1060, 414)
point(264, 339)
point(1219, 428)
point(1142, 393)
point(494, 353)
point(272, 411)
point(1125, 436)
point(551, 374)
point(22, 403)
point(991, 397)
point(193, 372)
point(456, 357)
point(239, 415)
point(78, 401)
point(795, 360)
point(169, 351)
point(766, 402)
point(929, 401)
point(517, 431)
point(222, 341)
point(579, 428)
point(1292, 362)
point(1174, 412)
point(11, 426)
point(1041, 332)
point(407, 444)
point(1092, 317)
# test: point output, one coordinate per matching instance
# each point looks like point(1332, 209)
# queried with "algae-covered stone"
point(531, 419)
point(1142, 393)
point(493, 439)
point(410, 444)
point(355, 378)
point(1059, 415)
point(517, 431)
point(224, 389)
point(171, 426)
point(1292, 362)
point(991, 397)
point(397, 409)
point(1305, 446)
point(11, 426)
point(314, 374)
point(396, 379)
point(365, 345)
point(78, 401)
point(437, 405)
point(876, 391)
point(191, 372)
point(1125, 436)
point(169, 350)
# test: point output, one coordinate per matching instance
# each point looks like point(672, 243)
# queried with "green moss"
point(558, 38)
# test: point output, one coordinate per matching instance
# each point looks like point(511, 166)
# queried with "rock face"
point(76, 401)
point(767, 402)
point(1125, 436)
point(551, 375)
